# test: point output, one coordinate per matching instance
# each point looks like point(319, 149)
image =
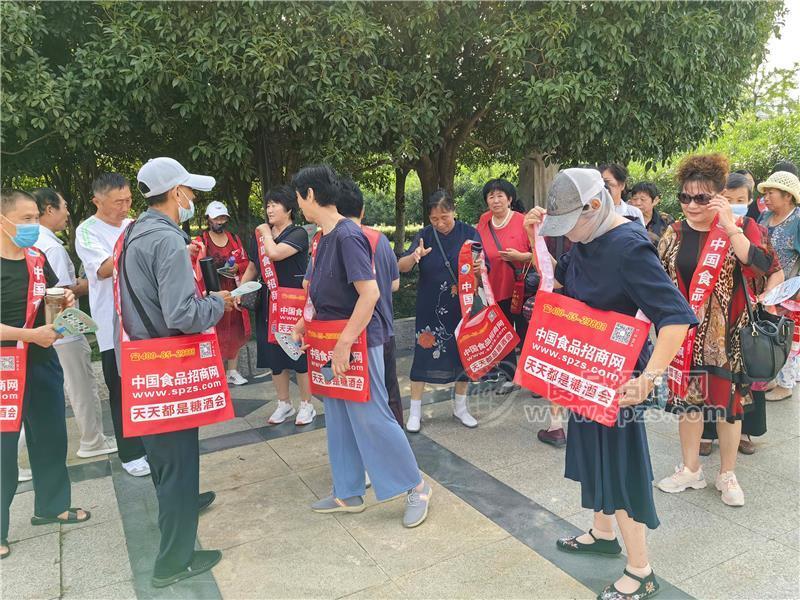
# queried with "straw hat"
point(782, 180)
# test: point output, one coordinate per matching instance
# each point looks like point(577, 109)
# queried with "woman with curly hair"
point(717, 389)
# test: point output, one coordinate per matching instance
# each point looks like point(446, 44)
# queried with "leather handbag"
point(766, 341)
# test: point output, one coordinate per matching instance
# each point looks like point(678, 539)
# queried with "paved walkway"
point(499, 502)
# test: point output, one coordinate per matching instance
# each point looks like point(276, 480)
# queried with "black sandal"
point(72, 518)
point(7, 545)
point(600, 547)
point(648, 587)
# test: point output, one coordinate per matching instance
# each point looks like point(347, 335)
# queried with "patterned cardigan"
point(717, 349)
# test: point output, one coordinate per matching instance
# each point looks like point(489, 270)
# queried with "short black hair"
point(46, 197)
point(745, 172)
point(320, 178)
point(738, 180)
point(442, 200)
point(648, 188)
point(107, 182)
point(10, 196)
point(619, 171)
point(351, 200)
point(499, 185)
point(785, 165)
point(283, 195)
point(157, 199)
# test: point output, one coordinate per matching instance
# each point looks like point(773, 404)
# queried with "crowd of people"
point(610, 247)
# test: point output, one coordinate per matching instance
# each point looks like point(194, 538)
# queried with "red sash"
point(285, 303)
point(240, 257)
point(13, 359)
point(575, 355)
point(321, 336)
point(172, 383)
point(705, 278)
point(483, 340)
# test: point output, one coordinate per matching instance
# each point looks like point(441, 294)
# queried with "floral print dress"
point(436, 358)
point(785, 238)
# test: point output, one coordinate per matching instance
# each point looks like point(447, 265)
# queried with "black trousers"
point(392, 385)
point(754, 421)
point(175, 468)
point(130, 448)
point(508, 365)
point(46, 435)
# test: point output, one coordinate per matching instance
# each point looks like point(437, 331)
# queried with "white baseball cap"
point(159, 175)
point(216, 209)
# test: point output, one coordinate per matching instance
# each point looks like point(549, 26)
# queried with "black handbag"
point(765, 342)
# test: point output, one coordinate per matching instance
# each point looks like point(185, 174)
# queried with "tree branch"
point(28, 145)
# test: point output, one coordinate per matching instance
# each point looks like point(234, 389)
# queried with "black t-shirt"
point(14, 299)
point(290, 271)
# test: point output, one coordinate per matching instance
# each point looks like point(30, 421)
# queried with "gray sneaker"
point(331, 504)
point(417, 506)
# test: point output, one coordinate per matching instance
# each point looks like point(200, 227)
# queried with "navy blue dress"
point(619, 271)
point(436, 358)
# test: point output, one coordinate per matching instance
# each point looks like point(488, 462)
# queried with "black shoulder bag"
point(765, 342)
point(529, 275)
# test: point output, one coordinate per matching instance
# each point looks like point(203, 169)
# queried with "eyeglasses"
point(699, 199)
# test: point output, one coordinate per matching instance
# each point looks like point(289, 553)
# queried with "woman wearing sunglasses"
point(719, 247)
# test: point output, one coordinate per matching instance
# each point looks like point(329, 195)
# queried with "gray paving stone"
point(20, 527)
point(313, 562)
point(33, 570)
point(260, 510)
point(122, 590)
point(791, 539)
point(94, 557)
point(766, 570)
point(303, 451)
point(503, 569)
point(238, 466)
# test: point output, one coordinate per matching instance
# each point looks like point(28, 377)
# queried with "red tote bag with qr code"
point(170, 384)
point(575, 355)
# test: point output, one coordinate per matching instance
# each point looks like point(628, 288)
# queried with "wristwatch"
point(736, 231)
point(656, 377)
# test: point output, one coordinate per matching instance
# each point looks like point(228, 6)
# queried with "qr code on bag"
point(206, 350)
point(622, 334)
point(8, 363)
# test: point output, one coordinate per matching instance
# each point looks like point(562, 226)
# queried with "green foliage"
point(750, 143)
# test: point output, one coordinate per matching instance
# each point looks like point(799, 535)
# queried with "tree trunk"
point(543, 175)
point(400, 175)
point(437, 171)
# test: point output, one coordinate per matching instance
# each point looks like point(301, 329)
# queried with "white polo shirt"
point(94, 242)
point(61, 264)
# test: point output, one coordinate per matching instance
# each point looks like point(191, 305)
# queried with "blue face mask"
point(184, 214)
point(740, 210)
point(27, 234)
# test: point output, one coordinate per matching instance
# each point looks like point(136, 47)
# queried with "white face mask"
point(740, 210)
point(594, 222)
point(184, 214)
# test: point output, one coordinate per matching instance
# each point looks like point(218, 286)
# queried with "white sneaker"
point(466, 419)
point(305, 415)
point(283, 412)
point(24, 475)
point(108, 446)
point(681, 480)
point(414, 423)
point(235, 378)
point(732, 494)
point(138, 468)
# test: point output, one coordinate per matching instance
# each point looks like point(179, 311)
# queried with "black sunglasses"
point(699, 199)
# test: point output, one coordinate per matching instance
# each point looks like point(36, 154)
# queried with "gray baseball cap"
point(570, 192)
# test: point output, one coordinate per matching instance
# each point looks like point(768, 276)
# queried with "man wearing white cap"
point(158, 300)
